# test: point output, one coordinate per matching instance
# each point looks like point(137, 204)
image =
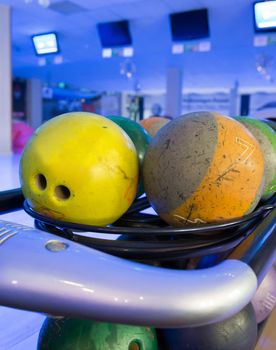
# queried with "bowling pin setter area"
point(133, 242)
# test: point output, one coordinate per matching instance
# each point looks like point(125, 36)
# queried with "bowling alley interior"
point(137, 174)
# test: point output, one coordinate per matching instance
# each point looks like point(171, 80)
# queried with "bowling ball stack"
point(199, 171)
point(201, 168)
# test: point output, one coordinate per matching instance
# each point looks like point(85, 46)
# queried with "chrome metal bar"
point(45, 273)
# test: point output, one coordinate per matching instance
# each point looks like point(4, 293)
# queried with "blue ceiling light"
point(45, 43)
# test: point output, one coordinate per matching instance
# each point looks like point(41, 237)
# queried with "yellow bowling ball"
point(80, 167)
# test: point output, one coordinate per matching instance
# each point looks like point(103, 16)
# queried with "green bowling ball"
point(267, 140)
point(270, 122)
point(139, 137)
point(74, 334)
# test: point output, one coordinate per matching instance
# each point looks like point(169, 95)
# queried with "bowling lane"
point(18, 329)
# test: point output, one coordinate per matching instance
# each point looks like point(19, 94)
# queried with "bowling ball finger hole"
point(40, 181)
point(134, 345)
point(62, 192)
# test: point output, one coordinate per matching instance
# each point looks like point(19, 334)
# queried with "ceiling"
point(232, 57)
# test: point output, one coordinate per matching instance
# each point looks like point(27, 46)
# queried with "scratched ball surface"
point(203, 167)
point(80, 167)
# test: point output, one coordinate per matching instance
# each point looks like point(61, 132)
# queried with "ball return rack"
point(144, 277)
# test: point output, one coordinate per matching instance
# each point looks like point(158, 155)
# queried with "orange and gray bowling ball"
point(154, 124)
point(203, 167)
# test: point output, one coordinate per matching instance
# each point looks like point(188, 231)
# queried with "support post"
point(174, 92)
point(5, 80)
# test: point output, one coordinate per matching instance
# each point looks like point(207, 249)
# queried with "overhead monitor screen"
point(45, 43)
point(189, 25)
point(265, 16)
point(114, 34)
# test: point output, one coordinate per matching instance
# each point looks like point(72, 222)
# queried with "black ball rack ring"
point(147, 237)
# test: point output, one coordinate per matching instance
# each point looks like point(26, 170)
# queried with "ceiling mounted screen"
point(114, 34)
point(45, 43)
point(265, 16)
point(189, 25)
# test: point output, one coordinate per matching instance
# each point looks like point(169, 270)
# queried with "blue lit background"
point(232, 56)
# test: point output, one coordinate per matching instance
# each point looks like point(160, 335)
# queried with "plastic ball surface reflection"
point(203, 167)
point(80, 167)
point(139, 137)
point(74, 334)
